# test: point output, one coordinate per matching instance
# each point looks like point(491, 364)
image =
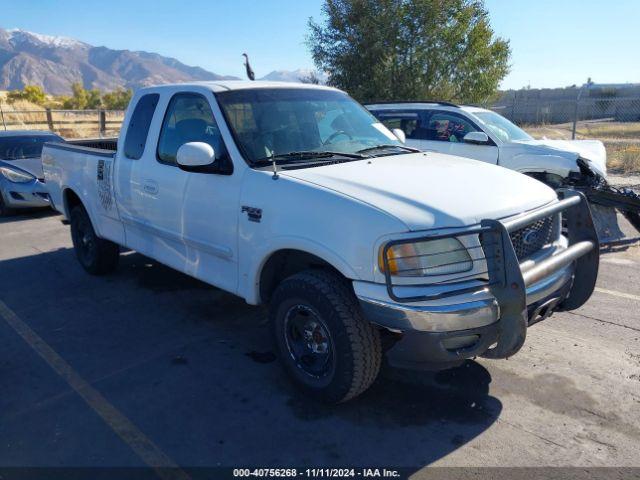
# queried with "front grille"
point(531, 238)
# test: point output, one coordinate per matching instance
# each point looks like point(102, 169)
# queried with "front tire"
point(4, 210)
point(96, 255)
point(330, 351)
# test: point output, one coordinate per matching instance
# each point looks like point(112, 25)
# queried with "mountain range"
point(53, 62)
point(294, 75)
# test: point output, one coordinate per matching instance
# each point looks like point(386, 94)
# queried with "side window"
point(188, 119)
point(448, 127)
point(410, 122)
point(139, 124)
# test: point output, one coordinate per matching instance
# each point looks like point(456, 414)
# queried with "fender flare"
point(67, 212)
point(250, 289)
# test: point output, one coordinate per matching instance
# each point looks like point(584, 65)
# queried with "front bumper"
point(489, 318)
point(458, 313)
point(24, 195)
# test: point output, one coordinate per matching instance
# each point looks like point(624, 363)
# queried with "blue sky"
point(554, 43)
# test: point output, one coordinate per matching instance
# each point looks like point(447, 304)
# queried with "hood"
point(432, 190)
point(592, 150)
point(30, 165)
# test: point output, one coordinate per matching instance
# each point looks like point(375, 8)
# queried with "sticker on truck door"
point(104, 185)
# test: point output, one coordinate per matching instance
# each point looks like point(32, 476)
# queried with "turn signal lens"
point(443, 256)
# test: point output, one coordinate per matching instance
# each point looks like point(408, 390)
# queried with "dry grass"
point(554, 132)
point(624, 158)
point(610, 130)
point(601, 131)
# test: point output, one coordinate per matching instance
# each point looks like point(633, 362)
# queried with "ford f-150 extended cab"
point(295, 196)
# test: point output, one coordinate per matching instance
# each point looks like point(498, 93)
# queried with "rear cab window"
point(138, 129)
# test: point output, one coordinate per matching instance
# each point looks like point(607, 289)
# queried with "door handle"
point(150, 187)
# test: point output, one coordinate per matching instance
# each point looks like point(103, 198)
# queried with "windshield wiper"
point(387, 146)
point(310, 155)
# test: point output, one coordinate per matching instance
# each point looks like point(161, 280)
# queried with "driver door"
point(190, 219)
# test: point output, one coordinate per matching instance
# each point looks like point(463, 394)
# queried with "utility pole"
point(575, 113)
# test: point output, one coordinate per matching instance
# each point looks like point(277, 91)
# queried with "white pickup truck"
point(295, 196)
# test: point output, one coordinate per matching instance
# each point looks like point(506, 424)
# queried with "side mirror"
point(399, 134)
point(196, 157)
point(476, 138)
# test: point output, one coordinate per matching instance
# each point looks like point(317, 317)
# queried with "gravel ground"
point(629, 181)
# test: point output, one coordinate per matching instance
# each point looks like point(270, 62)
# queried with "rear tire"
point(330, 351)
point(96, 255)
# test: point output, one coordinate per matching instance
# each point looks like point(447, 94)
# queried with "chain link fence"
point(67, 123)
point(580, 114)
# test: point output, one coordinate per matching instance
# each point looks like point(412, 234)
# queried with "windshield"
point(501, 127)
point(280, 121)
point(19, 147)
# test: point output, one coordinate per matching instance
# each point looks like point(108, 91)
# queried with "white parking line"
point(148, 451)
point(618, 294)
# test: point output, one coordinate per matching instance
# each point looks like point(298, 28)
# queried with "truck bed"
point(101, 147)
point(83, 167)
point(96, 143)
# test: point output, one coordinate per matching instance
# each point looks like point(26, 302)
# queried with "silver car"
point(21, 177)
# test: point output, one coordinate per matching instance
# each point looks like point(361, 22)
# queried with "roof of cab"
point(226, 85)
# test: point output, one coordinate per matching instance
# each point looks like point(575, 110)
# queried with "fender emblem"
point(253, 214)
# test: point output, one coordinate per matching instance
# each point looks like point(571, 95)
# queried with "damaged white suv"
point(481, 134)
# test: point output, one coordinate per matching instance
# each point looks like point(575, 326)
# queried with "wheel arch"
point(70, 199)
point(283, 262)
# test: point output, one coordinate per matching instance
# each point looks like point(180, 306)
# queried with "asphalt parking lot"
point(149, 366)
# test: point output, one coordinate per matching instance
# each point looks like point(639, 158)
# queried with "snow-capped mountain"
point(17, 37)
point(28, 58)
point(294, 75)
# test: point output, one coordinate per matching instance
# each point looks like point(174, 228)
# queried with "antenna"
point(275, 166)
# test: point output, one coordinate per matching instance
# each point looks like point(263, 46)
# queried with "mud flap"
point(605, 219)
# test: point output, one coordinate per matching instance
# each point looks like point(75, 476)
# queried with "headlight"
point(443, 256)
point(16, 176)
